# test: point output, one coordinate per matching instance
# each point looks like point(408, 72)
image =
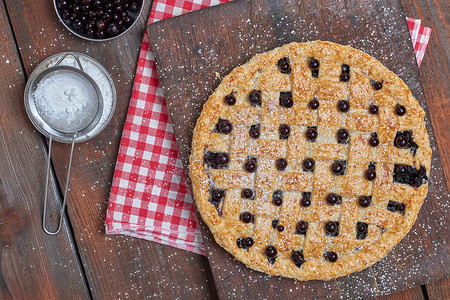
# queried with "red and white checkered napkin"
point(150, 198)
point(420, 36)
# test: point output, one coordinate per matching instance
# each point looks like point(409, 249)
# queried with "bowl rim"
point(54, 58)
point(97, 40)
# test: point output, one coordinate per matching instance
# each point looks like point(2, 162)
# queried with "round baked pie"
point(310, 161)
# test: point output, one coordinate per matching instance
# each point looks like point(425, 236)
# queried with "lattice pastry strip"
point(310, 161)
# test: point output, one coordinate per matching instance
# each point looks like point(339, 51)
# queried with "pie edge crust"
point(320, 269)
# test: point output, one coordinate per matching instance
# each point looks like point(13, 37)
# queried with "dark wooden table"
point(82, 262)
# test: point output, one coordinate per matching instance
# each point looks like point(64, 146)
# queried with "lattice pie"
point(310, 161)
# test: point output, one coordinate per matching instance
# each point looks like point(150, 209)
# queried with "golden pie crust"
point(395, 202)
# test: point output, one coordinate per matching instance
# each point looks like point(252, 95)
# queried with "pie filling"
point(305, 183)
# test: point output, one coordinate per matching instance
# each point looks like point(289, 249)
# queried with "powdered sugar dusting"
point(376, 26)
point(65, 100)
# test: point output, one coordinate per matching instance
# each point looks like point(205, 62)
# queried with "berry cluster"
point(99, 19)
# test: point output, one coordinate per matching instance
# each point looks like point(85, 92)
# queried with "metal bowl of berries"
point(98, 20)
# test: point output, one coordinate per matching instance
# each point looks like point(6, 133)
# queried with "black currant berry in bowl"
point(98, 20)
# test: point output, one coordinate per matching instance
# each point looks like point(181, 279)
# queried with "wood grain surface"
point(82, 262)
point(414, 293)
point(33, 265)
point(115, 266)
point(190, 49)
point(439, 290)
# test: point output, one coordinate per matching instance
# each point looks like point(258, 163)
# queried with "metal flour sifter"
point(69, 133)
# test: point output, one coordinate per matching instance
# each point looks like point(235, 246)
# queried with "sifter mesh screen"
point(71, 106)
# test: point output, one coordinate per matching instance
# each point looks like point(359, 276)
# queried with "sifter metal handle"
point(71, 54)
point(44, 218)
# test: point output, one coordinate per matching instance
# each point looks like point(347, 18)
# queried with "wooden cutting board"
point(192, 48)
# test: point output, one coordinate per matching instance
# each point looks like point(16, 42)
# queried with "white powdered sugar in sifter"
point(65, 104)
